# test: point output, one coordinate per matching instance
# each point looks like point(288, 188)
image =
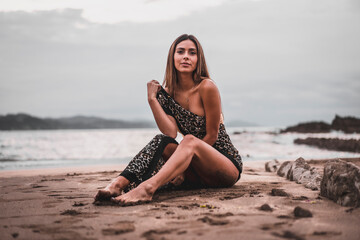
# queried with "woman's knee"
point(188, 144)
point(189, 139)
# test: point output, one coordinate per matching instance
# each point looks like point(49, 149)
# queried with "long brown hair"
point(200, 73)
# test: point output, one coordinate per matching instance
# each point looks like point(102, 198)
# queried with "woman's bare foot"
point(114, 189)
point(142, 193)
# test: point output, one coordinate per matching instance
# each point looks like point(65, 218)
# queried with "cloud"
point(275, 62)
point(115, 11)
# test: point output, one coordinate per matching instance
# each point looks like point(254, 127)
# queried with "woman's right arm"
point(165, 123)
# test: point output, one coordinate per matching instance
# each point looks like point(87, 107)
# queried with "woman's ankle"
point(119, 183)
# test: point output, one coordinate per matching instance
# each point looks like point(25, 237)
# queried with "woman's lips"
point(185, 64)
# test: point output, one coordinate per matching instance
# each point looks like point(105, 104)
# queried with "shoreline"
point(61, 170)
point(119, 167)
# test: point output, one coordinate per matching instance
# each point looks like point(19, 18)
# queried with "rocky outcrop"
point(300, 172)
point(346, 124)
point(347, 145)
point(309, 127)
point(341, 183)
point(272, 166)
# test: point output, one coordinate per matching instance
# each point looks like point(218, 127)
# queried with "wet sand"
point(58, 204)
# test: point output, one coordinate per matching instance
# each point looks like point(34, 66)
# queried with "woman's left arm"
point(210, 97)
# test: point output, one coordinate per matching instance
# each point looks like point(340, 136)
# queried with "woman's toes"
point(102, 195)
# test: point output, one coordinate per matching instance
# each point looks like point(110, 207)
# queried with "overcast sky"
point(275, 62)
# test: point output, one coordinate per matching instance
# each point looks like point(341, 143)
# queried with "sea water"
point(65, 148)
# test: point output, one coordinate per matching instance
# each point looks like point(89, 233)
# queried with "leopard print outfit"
point(149, 160)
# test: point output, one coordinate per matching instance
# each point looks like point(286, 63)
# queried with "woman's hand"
point(152, 88)
point(178, 179)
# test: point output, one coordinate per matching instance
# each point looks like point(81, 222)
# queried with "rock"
point(300, 172)
point(302, 213)
point(279, 192)
point(309, 127)
point(272, 166)
point(266, 207)
point(297, 169)
point(284, 169)
point(341, 183)
point(346, 124)
point(311, 179)
point(347, 145)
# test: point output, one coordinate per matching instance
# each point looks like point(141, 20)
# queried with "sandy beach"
point(58, 204)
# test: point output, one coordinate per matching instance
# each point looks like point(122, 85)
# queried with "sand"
point(57, 204)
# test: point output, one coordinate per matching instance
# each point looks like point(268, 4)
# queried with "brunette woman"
point(188, 103)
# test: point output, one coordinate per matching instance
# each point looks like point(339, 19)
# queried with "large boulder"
point(272, 166)
point(297, 169)
point(341, 183)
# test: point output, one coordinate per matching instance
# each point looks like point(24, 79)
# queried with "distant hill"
point(24, 121)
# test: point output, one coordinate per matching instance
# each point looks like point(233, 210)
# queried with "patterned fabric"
point(149, 160)
point(190, 123)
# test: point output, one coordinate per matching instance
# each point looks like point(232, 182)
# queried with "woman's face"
point(185, 57)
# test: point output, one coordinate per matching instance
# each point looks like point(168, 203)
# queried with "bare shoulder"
point(207, 86)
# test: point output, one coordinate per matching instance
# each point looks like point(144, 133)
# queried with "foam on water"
point(60, 148)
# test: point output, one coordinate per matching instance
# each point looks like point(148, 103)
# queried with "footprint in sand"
point(71, 212)
point(119, 228)
point(288, 235)
point(271, 226)
point(213, 221)
point(154, 234)
point(326, 233)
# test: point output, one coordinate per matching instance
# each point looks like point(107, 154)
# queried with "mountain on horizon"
point(23, 121)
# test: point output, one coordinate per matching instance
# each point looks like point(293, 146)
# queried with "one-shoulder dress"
point(149, 160)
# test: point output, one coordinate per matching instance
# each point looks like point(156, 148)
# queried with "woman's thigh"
point(214, 169)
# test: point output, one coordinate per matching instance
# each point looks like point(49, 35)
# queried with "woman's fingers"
point(178, 180)
point(153, 87)
point(154, 83)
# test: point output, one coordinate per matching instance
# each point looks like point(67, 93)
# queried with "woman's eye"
point(193, 53)
point(179, 51)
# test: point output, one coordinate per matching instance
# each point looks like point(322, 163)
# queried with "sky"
point(275, 62)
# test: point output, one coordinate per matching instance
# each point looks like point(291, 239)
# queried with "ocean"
point(65, 148)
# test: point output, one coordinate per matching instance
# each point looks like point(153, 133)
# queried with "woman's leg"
point(214, 169)
point(140, 166)
point(114, 189)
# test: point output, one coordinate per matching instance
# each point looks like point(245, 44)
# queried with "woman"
point(191, 104)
